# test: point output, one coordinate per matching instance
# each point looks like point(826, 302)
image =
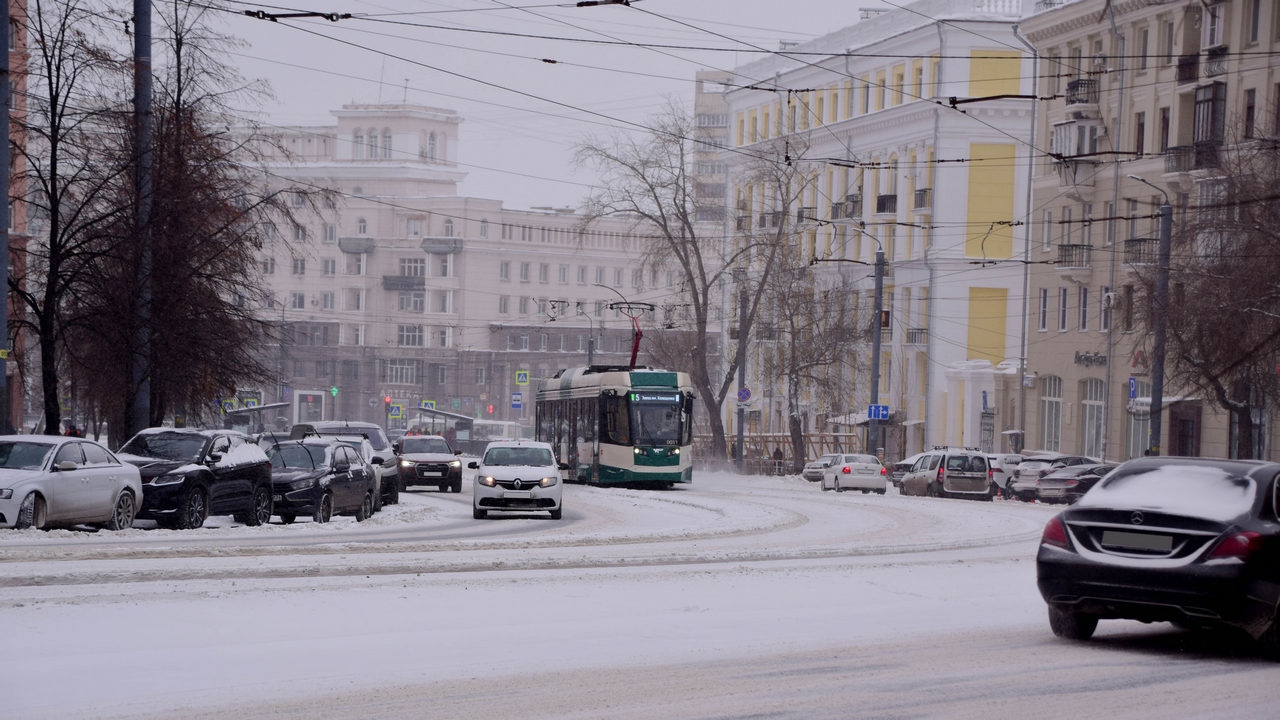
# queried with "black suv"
point(188, 475)
point(383, 456)
point(428, 460)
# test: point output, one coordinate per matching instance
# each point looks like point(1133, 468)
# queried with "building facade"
point(397, 293)
point(909, 132)
point(1141, 101)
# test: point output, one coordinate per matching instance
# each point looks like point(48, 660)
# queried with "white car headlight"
point(407, 463)
point(455, 463)
point(6, 494)
point(548, 481)
point(486, 480)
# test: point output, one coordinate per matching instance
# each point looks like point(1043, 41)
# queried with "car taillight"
point(845, 470)
point(1055, 534)
point(941, 468)
point(884, 471)
point(1237, 545)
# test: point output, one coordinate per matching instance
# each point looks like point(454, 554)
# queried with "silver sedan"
point(855, 472)
point(48, 481)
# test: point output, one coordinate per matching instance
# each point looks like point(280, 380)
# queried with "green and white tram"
point(617, 425)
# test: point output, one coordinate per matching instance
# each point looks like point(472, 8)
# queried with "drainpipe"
point(1026, 247)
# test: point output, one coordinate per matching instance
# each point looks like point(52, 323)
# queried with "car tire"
point(930, 490)
point(880, 492)
point(260, 511)
point(442, 488)
point(393, 497)
point(193, 510)
point(1072, 625)
point(457, 486)
point(324, 509)
point(837, 484)
point(557, 513)
point(288, 518)
point(125, 510)
point(365, 511)
point(32, 513)
point(478, 514)
point(1269, 641)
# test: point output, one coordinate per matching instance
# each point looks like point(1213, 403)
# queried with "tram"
point(619, 425)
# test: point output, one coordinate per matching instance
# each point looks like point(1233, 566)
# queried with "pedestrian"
point(777, 460)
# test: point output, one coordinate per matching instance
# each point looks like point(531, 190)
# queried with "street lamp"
point(591, 337)
point(1161, 303)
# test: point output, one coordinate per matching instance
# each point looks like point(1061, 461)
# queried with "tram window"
point(617, 424)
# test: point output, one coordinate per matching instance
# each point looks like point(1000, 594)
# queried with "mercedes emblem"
point(1136, 518)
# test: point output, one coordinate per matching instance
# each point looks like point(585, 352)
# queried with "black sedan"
point(1192, 541)
point(1068, 484)
point(320, 478)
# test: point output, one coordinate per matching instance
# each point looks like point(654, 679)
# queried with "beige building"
point(1148, 89)
point(403, 289)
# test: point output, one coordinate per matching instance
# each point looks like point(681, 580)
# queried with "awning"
point(913, 422)
point(849, 419)
point(1010, 432)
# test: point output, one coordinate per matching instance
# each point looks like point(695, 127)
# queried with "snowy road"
point(734, 597)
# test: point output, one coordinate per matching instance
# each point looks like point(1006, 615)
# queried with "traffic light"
point(386, 404)
point(490, 408)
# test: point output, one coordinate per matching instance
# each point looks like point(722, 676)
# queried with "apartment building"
point(908, 133)
point(14, 399)
point(1143, 100)
point(401, 294)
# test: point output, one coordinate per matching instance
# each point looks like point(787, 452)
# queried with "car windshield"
point(23, 455)
point(299, 457)
point(1200, 491)
point(377, 439)
point(184, 447)
point(425, 445)
point(518, 456)
point(826, 459)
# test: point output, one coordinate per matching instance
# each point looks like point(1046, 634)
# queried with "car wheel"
point(1071, 624)
point(456, 487)
point(366, 508)
point(991, 493)
point(479, 514)
point(124, 512)
point(837, 484)
point(260, 513)
point(393, 497)
point(442, 488)
point(930, 490)
point(864, 492)
point(1269, 641)
point(194, 509)
point(31, 514)
point(880, 491)
point(557, 513)
point(288, 518)
point(324, 509)
point(824, 486)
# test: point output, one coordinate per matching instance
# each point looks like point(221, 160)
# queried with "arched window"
point(448, 228)
point(1092, 419)
point(1051, 413)
point(386, 143)
point(362, 227)
point(373, 144)
point(357, 146)
point(431, 147)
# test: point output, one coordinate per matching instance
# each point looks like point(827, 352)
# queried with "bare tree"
point(649, 177)
point(1224, 336)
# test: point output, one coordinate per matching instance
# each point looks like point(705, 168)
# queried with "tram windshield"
point(656, 418)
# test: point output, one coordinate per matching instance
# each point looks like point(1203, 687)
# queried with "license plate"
point(1136, 541)
point(430, 473)
point(1051, 492)
point(518, 494)
point(277, 498)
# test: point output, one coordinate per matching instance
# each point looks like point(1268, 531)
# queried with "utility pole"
point(142, 221)
point(5, 100)
point(877, 333)
point(1161, 322)
point(741, 277)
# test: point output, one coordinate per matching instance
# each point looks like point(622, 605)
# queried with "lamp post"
point(1158, 331)
point(591, 337)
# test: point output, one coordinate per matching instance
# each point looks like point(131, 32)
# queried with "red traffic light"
point(490, 408)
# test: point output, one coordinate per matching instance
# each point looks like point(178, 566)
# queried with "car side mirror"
point(67, 465)
point(473, 465)
point(342, 466)
point(564, 466)
point(215, 457)
point(378, 460)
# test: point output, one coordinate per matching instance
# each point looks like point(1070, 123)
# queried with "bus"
point(618, 425)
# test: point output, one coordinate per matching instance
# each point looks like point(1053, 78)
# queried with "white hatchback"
point(517, 476)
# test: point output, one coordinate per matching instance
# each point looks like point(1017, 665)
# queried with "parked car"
point(1002, 467)
point(1192, 541)
point(429, 460)
point(1068, 484)
point(320, 478)
point(517, 475)
point(812, 470)
point(1026, 477)
point(52, 481)
point(855, 472)
point(951, 472)
point(380, 453)
point(188, 475)
point(900, 468)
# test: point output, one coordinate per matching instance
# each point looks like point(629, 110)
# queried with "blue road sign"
point(517, 400)
point(877, 412)
point(1133, 388)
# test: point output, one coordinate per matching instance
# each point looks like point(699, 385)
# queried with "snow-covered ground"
point(424, 612)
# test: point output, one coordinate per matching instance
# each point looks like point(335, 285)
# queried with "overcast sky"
point(521, 116)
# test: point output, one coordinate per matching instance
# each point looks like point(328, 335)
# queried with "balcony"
point(1185, 158)
point(1073, 255)
point(1083, 91)
point(853, 205)
point(1141, 251)
point(886, 204)
point(361, 244)
point(923, 199)
point(917, 336)
point(806, 214)
point(403, 283)
point(1215, 61)
point(837, 210)
point(442, 245)
point(1188, 68)
point(742, 222)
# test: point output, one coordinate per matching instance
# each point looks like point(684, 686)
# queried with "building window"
point(582, 274)
point(480, 375)
point(414, 227)
point(504, 304)
point(299, 266)
point(357, 335)
point(414, 302)
point(297, 301)
point(1104, 318)
point(409, 335)
point(413, 267)
point(1092, 418)
point(448, 228)
point(484, 228)
point(327, 301)
point(443, 301)
point(355, 299)
point(1250, 113)
point(1044, 309)
point(402, 372)
point(504, 270)
point(330, 233)
point(1062, 309)
point(445, 265)
point(441, 374)
point(524, 272)
point(362, 226)
point(355, 263)
point(269, 266)
point(544, 273)
point(1083, 310)
point(329, 266)
point(1051, 413)
point(1046, 231)
point(524, 305)
point(442, 337)
point(1139, 133)
point(564, 274)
